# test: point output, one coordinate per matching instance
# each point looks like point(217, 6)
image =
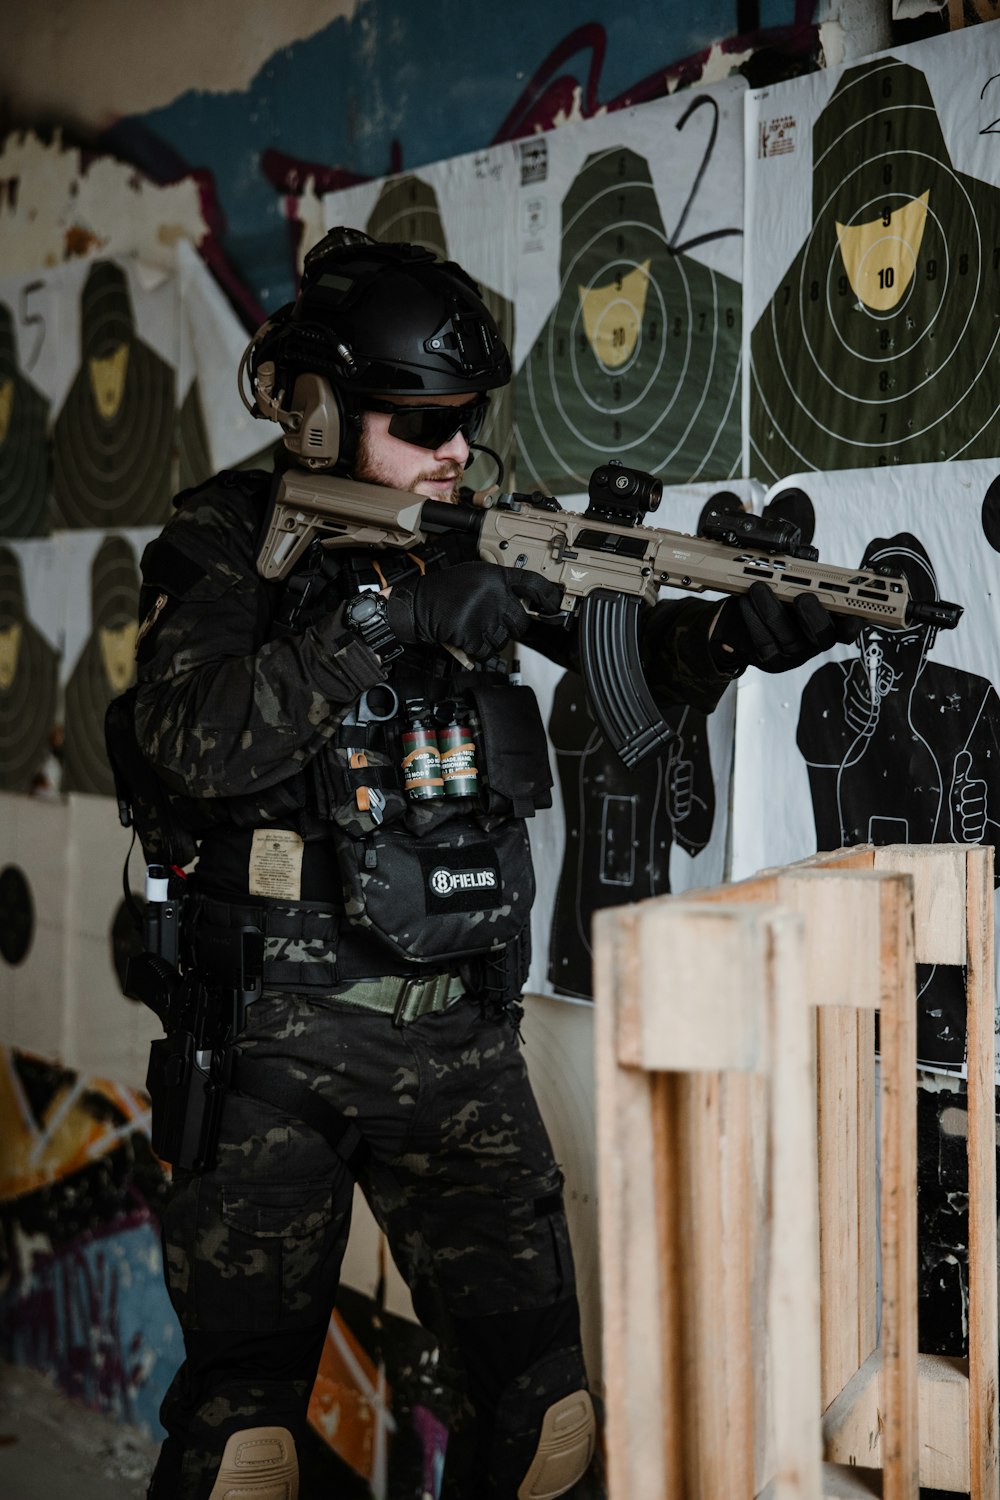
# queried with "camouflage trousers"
point(459, 1174)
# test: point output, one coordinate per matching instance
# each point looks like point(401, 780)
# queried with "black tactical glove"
point(472, 605)
point(761, 631)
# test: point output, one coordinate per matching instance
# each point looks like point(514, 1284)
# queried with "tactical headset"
point(373, 321)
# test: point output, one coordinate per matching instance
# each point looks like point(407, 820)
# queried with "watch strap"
point(372, 625)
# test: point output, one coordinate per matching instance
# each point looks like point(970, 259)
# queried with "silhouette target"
point(28, 684)
point(991, 515)
point(17, 915)
point(639, 359)
point(106, 667)
point(900, 749)
point(24, 449)
point(877, 345)
point(620, 824)
point(113, 438)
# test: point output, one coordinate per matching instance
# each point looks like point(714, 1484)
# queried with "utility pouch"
point(514, 773)
point(454, 891)
point(187, 1102)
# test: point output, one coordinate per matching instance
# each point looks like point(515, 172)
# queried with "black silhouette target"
point(24, 448)
point(17, 915)
point(106, 667)
point(640, 358)
point(407, 209)
point(879, 344)
point(113, 458)
point(28, 684)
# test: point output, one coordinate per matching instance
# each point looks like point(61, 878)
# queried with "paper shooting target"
point(28, 683)
point(106, 667)
point(879, 344)
point(24, 447)
point(113, 438)
point(407, 209)
point(620, 824)
point(639, 360)
point(17, 915)
point(193, 456)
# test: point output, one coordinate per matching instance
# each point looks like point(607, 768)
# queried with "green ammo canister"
point(458, 760)
point(421, 764)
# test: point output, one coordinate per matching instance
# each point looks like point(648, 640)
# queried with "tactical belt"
point(224, 926)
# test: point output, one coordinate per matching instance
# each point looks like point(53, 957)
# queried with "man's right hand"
point(474, 606)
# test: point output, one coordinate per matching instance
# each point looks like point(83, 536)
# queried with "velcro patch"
point(461, 879)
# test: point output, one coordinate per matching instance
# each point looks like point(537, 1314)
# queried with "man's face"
point(384, 459)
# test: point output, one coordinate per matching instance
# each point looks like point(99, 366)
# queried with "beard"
point(368, 468)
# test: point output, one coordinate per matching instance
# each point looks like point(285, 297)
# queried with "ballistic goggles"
point(432, 426)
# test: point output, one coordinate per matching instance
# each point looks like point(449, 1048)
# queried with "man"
point(379, 1037)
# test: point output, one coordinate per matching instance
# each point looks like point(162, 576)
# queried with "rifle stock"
point(605, 569)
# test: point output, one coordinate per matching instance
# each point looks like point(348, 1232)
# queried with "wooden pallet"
point(737, 1106)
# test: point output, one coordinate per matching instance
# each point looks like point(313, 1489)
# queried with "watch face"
point(364, 607)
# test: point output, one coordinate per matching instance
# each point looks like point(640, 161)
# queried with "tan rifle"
point(606, 564)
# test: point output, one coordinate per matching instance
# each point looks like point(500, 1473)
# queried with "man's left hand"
point(757, 629)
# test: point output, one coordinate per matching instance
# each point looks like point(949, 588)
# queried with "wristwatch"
point(366, 616)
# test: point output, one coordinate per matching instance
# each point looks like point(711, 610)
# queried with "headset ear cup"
point(317, 435)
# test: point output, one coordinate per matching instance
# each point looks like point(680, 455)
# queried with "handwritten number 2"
point(673, 246)
point(994, 127)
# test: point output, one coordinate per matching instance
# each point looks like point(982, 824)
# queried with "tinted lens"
point(432, 426)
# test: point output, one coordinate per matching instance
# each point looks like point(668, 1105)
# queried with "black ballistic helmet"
point(388, 320)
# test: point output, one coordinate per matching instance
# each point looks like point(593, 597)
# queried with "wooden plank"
point(938, 872)
point(854, 857)
point(793, 1284)
point(837, 1107)
point(840, 1483)
point(944, 1423)
point(717, 1215)
point(712, 961)
point(644, 1434)
point(984, 1477)
point(900, 1442)
point(866, 1179)
point(852, 1424)
point(842, 934)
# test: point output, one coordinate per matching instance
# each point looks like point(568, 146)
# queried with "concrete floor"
point(53, 1449)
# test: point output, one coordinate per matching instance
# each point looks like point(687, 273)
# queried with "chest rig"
point(425, 783)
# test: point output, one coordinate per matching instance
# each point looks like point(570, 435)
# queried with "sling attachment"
point(258, 1081)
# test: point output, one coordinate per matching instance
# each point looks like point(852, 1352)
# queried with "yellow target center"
point(880, 257)
point(107, 380)
point(613, 314)
point(118, 654)
point(10, 650)
point(6, 407)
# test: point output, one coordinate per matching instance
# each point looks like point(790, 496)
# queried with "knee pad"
point(565, 1448)
point(544, 1432)
point(259, 1463)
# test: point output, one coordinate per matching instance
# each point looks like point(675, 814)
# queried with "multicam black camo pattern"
point(221, 710)
point(460, 1176)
